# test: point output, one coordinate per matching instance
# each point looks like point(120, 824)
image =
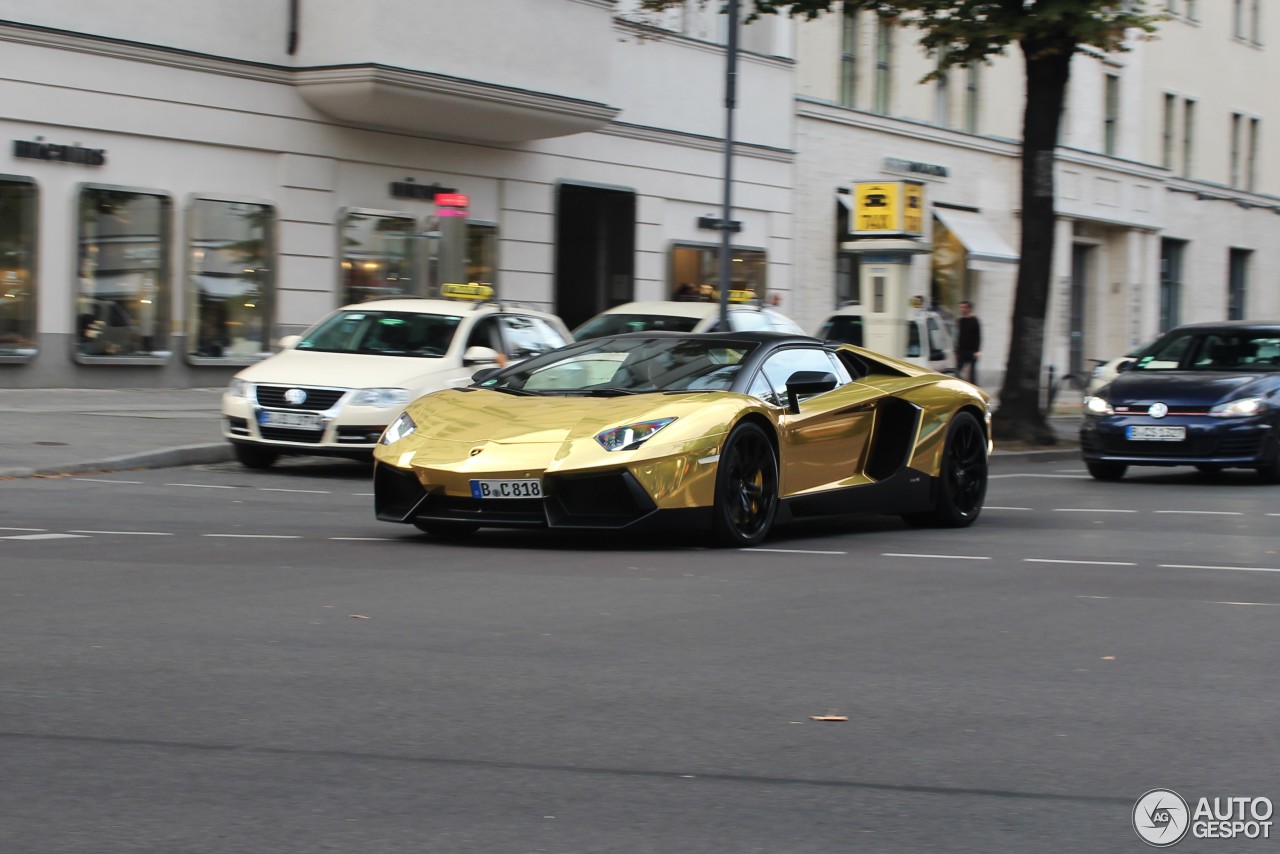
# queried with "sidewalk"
point(47, 432)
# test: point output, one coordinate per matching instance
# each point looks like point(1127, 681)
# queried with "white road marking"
point(24, 529)
point(1200, 512)
point(202, 485)
point(1089, 510)
point(257, 536)
point(365, 539)
point(1233, 568)
point(1079, 562)
point(989, 507)
point(43, 537)
point(308, 491)
point(363, 494)
point(796, 551)
point(1030, 474)
point(128, 533)
point(938, 557)
point(1196, 601)
point(105, 480)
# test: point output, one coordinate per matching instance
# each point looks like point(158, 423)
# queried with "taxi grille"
point(289, 434)
point(318, 399)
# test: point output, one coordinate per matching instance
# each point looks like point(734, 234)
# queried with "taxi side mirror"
point(477, 355)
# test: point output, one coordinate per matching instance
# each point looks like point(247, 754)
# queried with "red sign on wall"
point(452, 200)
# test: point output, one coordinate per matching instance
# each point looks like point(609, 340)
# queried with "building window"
point(1237, 283)
point(231, 279)
point(942, 93)
point(884, 66)
point(699, 266)
point(1188, 135)
point(1255, 21)
point(1233, 179)
point(1166, 132)
point(377, 255)
point(1172, 253)
point(1171, 6)
point(1191, 10)
point(972, 102)
point(849, 57)
point(122, 305)
point(1111, 114)
point(1251, 166)
point(17, 267)
point(1237, 18)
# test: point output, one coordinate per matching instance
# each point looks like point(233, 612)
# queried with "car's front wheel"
point(962, 478)
point(1270, 473)
point(255, 456)
point(746, 500)
point(1105, 470)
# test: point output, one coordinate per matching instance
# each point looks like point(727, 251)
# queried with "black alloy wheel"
point(962, 477)
point(255, 456)
point(1105, 470)
point(746, 500)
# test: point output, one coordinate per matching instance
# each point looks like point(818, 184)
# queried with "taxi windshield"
point(383, 333)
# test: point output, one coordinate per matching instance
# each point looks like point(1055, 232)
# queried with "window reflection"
point(377, 256)
point(17, 257)
point(231, 285)
point(123, 299)
point(695, 273)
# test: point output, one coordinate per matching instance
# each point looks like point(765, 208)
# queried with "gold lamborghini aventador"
point(727, 433)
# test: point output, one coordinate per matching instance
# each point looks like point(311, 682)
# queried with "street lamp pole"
point(726, 216)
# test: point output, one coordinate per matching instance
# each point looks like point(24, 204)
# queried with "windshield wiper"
point(608, 391)
point(509, 390)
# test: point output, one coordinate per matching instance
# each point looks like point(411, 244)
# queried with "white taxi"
point(333, 389)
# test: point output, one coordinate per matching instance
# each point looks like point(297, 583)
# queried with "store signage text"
point(411, 190)
point(887, 209)
point(41, 150)
point(915, 167)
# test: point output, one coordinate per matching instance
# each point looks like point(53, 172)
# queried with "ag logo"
point(1161, 818)
point(296, 396)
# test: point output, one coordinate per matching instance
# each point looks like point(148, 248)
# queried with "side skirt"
point(906, 491)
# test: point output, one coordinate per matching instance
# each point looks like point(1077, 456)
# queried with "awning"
point(225, 287)
point(979, 236)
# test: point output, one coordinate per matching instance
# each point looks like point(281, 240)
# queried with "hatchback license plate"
point(296, 420)
point(521, 488)
point(1155, 433)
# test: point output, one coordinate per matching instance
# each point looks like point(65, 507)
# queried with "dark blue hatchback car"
point(1204, 395)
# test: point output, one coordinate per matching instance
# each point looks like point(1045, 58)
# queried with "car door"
point(823, 445)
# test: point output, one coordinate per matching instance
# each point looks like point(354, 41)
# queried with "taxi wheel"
point(746, 488)
point(1270, 473)
point(962, 478)
point(1106, 471)
point(255, 457)
point(445, 530)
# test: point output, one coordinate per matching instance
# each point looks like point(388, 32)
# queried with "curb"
point(185, 455)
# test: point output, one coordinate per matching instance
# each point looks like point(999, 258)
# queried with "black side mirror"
point(807, 382)
point(480, 376)
point(1124, 366)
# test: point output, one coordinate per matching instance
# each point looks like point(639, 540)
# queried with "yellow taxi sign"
point(888, 208)
point(466, 290)
point(737, 295)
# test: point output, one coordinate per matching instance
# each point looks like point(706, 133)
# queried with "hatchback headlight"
point(240, 388)
point(1095, 405)
point(398, 429)
point(380, 397)
point(631, 436)
point(1245, 407)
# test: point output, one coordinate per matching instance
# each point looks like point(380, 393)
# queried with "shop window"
point(123, 296)
point(231, 281)
point(695, 273)
point(17, 264)
point(378, 251)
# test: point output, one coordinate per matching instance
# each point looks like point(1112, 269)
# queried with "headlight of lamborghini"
point(398, 429)
point(1095, 405)
point(1242, 408)
point(240, 388)
point(380, 397)
point(631, 436)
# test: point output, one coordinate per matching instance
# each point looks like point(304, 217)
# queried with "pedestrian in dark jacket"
point(968, 343)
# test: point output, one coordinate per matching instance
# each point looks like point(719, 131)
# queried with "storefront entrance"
point(595, 250)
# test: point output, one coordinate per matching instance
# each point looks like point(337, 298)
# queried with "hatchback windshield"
point(383, 333)
point(614, 366)
point(1220, 350)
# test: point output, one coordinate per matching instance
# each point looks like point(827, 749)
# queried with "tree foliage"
point(1048, 33)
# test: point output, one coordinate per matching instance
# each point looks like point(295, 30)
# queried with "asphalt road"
point(211, 659)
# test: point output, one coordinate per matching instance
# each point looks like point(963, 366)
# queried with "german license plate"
point(296, 420)
point(1155, 433)
point(518, 488)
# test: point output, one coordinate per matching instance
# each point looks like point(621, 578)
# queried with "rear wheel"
point(962, 479)
point(746, 500)
point(255, 456)
point(445, 530)
point(1106, 471)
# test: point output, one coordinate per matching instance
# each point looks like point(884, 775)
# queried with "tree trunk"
point(1019, 417)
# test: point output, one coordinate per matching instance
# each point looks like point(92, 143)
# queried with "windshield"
point(383, 333)
point(617, 324)
point(630, 365)
point(846, 328)
point(1234, 351)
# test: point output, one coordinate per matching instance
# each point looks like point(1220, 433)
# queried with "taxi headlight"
point(398, 429)
point(380, 397)
point(1095, 405)
point(631, 436)
point(240, 388)
point(1245, 407)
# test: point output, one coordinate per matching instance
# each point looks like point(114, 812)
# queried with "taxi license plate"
point(1154, 433)
point(519, 488)
point(296, 420)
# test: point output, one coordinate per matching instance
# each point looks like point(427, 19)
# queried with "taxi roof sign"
point(473, 291)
